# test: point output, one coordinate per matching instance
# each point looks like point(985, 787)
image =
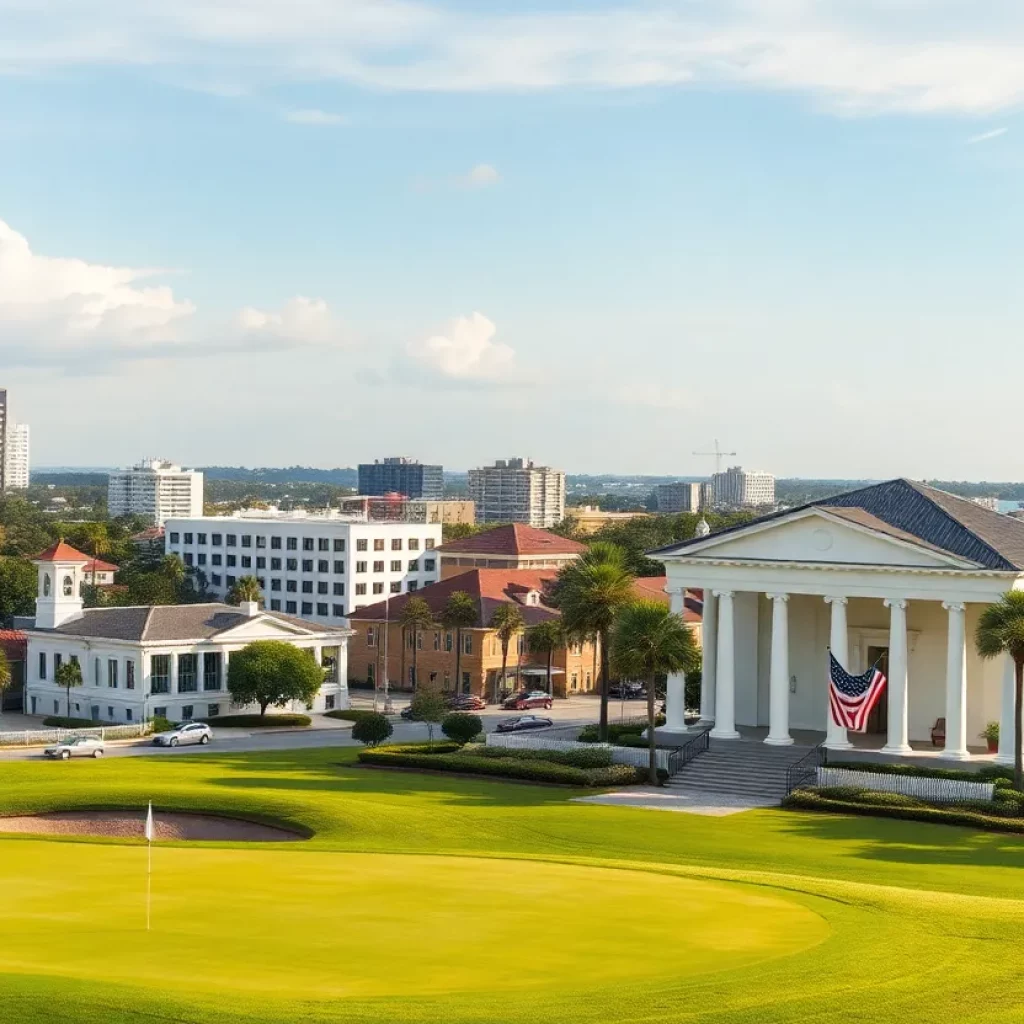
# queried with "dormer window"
point(533, 598)
point(69, 587)
point(46, 585)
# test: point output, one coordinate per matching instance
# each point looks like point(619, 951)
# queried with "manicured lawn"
point(428, 899)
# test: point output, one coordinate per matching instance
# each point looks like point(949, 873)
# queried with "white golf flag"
point(149, 823)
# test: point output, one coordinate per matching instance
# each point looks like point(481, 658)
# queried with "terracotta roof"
point(653, 589)
point(150, 533)
point(513, 539)
point(61, 552)
point(98, 565)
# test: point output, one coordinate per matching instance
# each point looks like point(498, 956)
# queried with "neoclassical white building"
point(895, 573)
point(169, 660)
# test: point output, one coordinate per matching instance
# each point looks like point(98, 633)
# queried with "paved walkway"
point(654, 798)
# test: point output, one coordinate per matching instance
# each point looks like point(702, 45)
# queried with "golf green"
point(425, 898)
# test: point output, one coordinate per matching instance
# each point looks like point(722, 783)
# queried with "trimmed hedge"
point(970, 815)
point(256, 721)
point(56, 722)
point(372, 729)
point(599, 757)
point(520, 768)
point(351, 715)
point(990, 773)
point(616, 731)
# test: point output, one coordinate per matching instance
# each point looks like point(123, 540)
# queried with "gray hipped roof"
point(921, 514)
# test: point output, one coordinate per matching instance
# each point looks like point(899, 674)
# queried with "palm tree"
point(589, 592)
point(245, 588)
point(545, 638)
point(173, 568)
point(98, 540)
point(69, 675)
point(417, 616)
point(460, 612)
point(648, 641)
point(506, 622)
point(5, 676)
point(1000, 630)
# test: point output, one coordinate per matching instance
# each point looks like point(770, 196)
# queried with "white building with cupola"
point(169, 660)
point(894, 575)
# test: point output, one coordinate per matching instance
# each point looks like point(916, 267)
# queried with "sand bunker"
point(131, 825)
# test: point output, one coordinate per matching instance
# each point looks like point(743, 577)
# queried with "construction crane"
point(718, 455)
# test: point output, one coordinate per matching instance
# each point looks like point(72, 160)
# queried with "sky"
point(600, 235)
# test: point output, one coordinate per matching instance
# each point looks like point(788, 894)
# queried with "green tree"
point(462, 727)
point(429, 705)
point(1000, 630)
point(173, 569)
point(272, 672)
point(69, 675)
point(460, 612)
point(590, 592)
point(95, 538)
point(245, 588)
point(18, 584)
point(648, 641)
point(416, 616)
point(545, 638)
point(507, 622)
point(372, 729)
point(6, 676)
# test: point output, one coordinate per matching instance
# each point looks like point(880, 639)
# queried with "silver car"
point(76, 746)
point(183, 734)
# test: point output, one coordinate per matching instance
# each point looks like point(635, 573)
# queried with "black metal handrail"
point(680, 757)
point(801, 772)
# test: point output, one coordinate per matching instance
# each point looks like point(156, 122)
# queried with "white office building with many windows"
point(166, 660)
point(741, 488)
point(319, 566)
point(157, 490)
point(16, 456)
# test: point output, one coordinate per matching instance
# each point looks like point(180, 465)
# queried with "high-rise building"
point(517, 491)
point(738, 488)
point(401, 476)
point(16, 456)
point(156, 490)
point(3, 440)
point(683, 497)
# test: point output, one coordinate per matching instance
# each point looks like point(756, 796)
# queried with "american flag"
point(853, 697)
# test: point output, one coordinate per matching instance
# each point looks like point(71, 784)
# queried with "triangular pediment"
point(820, 536)
point(263, 627)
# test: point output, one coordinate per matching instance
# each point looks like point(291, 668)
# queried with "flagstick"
point(149, 882)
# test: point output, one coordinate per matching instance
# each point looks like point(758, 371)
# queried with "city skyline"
point(641, 228)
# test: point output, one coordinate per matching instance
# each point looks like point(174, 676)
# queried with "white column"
point(897, 739)
point(778, 714)
point(174, 671)
point(956, 682)
point(1006, 712)
point(835, 735)
point(725, 681)
point(709, 640)
point(675, 691)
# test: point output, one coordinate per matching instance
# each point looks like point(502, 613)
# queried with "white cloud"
point(466, 351)
point(480, 176)
point(986, 136)
point(300, 321)
point(314, 117)
point(959, 55)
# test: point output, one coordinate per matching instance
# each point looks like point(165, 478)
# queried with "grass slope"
point(763, 916)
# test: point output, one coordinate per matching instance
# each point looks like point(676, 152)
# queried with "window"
point(110, 712)
point(232, 540)
point(275, 584)
point(275, 606)
point(188, 538)
point(329, 702)
point(323, 565)
point(410, 640)
point(56, 707)
point(127, 714)
point(307, 565)
point(428, 564)
point(175, 538)
point(378, 544)
point(188, 558)
point(378, 566)
point(275, 565)
point(290, 607)
point(246, 561)
point(360, 545)
point(186, 712)
point(46, 585)
point(293, 544)
point(246, 540)
point(467, 643)
point(202, 559)
point(42, 664)
point(339, 568)
point(371, 636)
point(69, 587)
point(360, 567)
point(216, 559)
point(307, 543)
point(413, 585)
point(437, 641)
point(230, 580)
point(339, 544)
point(215, 578)
point(323, 544)
point(215, 539)
point(307, 608)
point(414, 544)
point(261, 542)
point(412, 677)
point(187, 673)
point(160, 680)
point(396, 565)
point(112, 673)
point(414, 566)
point(338, 611)
point(429, 543)
point(322, 588)
point(321, 609)
point(378, 588)
point(396, 587)
point(58, 660)
point(339, 589)
point(160, 712)
point(292, 565)
point(360, 590)
point(212, 710)
point(291, 586)
point(371, 673)
point(200, 538)
point(448, 641)
point(261, 563)
point(129, 675)
point(396, 544)
point(307, 586)
point(465, 682)
point(232, 560)
point(74, 660)
point(97, 670)
point(275, 543)
point(211, 670)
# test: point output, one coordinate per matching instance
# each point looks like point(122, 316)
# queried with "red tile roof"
point(14, 644)
point(514, 539)
point(150, 533)
point(653, 589)
point(61, 552)
point(98, 565)
point(12, 636)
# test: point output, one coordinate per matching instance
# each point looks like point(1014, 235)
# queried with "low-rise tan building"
point(510, 547)
point(589, 519)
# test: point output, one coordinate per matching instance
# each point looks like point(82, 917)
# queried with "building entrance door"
point(878, 720)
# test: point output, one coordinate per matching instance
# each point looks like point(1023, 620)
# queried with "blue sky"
point(599, 235)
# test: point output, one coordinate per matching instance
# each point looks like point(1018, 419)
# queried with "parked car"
point(466, 702)
point(76, 746)
point(528, 699)
point(407, 714)
point(522, 722)
point(627, 691)
point(183, 734)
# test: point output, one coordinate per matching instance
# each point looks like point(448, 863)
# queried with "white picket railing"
point(620, 755)
point(939, 790)
point(38, 737)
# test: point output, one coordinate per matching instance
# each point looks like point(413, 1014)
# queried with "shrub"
point(254, 721)
point(372, 729)
point(350, 715)
point(1009, 798)
point(161, 724)
point(462, 727)
point(878, 798)
point(617, 731)
point(599, 757)
point(57, 722)
point(987, 774)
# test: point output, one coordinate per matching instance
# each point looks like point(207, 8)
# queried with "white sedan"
point(76, 746)
point(183, 734)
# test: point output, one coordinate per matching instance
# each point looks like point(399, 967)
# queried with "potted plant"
point(991, 735)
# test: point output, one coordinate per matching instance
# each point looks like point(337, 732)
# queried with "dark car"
point(407, 714)
point(466, 702)
point(627, 691)
point(528, 699)
point(522, 722)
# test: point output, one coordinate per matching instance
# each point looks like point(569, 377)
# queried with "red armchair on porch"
point(939, 733)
